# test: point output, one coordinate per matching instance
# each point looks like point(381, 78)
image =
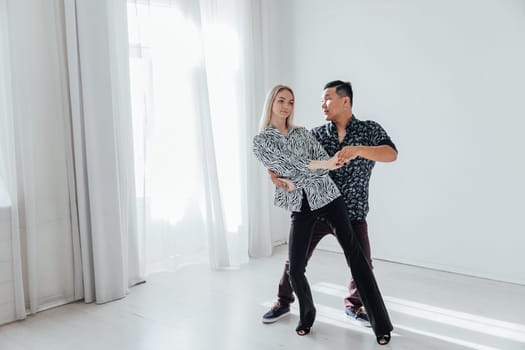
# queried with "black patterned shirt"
point(354, 177)
point(289, 157)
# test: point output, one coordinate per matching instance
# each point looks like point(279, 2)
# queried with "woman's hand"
point(330, 164)
point(335, 162)
point(286, 184)
point(289, 185)
point(276, 180)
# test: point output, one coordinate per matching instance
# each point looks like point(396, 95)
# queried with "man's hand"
point(349, 152)
point(381, 153)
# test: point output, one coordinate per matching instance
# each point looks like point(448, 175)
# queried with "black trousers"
point(299, 242)
point(353, 301)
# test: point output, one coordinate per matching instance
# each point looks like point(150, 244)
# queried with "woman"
point(294, 154)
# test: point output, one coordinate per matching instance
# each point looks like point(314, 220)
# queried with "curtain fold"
point(34, 159)
point(9, 222)
point(218, 249)
point(259, 197)
point(96, 34)
point(212, 21)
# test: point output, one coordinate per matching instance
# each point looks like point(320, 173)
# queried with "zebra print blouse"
point(289, 157)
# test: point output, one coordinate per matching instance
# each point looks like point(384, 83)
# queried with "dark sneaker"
point(359, 316)
point(276, 313)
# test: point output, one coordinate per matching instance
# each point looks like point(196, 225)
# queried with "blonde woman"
point(296, 156)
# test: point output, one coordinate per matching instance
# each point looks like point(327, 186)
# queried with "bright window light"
point(167, 53)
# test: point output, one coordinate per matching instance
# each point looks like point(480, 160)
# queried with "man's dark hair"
point(342, 89)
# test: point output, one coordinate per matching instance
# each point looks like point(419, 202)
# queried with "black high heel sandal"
point(303, 329)
point(383, 339)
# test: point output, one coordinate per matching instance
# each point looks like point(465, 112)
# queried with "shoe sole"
point(275, 319)
point(360, 323)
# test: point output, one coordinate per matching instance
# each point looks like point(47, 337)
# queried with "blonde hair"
point(266, 114)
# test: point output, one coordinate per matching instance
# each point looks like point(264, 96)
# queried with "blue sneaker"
point(359, 316)
point(276, 313)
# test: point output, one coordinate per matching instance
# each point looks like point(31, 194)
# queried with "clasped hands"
point(335, 162)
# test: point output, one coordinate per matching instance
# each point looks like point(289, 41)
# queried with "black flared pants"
point(300, 237)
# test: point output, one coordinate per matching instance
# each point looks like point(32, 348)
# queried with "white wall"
point(446, 79)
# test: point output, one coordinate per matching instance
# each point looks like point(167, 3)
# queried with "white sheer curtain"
point(11, 296)
point(65, 140)
point(67, 190)
point(34, 162)
point(97, 56)
point(194, 92)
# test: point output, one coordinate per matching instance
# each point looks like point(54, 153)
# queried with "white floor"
point(195, 308)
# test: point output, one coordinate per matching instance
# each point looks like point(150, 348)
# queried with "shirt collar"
point(271, 129)
point(333, 129)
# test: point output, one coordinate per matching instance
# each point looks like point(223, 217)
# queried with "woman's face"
point(282, 105)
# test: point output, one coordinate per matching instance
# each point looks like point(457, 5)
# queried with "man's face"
point(332, 104)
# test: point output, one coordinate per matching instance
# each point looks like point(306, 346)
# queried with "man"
point(362, 143)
